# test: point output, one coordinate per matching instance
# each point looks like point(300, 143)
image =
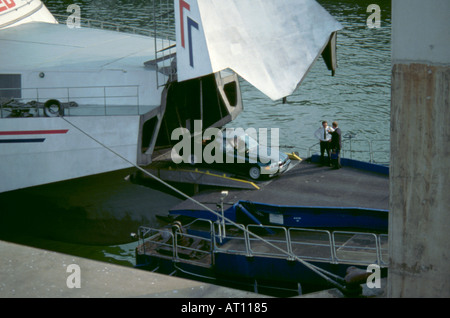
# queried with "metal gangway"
point(197, 242)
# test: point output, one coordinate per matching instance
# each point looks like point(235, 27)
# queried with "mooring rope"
point(319, 271)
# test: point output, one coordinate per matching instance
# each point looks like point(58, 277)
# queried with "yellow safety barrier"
point(294, 156)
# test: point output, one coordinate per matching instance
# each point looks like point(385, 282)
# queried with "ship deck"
point(59, 48)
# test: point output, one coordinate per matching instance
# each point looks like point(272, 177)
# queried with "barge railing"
point(373, 151)
point(336, 247)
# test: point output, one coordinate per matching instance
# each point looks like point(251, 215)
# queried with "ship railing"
point(373, 151)
point(383, 242)
point(103, 25)
point(335, 247)
point(311, 244)
point(163, 25)
point(231, 239)
point(73, 101)
point(151, 239)
point(347, 247)
point(177, 244)
point(191, 247)
point(279, 241)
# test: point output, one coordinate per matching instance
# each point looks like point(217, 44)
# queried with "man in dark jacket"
point(324, 135)
point(336, 145)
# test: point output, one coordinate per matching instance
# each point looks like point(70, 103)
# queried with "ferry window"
point(231, 93)
point(147, 133)
point(10, 85)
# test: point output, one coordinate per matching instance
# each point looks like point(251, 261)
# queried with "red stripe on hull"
point(33, 132)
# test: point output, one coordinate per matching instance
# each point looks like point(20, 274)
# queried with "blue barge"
point(261, 243)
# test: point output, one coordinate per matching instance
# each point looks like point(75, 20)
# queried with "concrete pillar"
point(419, 222)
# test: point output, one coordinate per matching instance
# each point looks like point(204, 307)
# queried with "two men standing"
point(330, 141)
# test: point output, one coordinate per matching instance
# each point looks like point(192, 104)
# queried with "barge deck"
point(308, 184)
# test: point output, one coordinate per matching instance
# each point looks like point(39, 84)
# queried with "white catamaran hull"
point(36, 151)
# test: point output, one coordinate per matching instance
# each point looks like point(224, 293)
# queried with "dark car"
point(241, 154)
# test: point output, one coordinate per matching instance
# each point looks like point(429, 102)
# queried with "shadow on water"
point(90, 217)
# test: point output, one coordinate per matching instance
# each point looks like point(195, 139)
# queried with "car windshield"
point(239, 141)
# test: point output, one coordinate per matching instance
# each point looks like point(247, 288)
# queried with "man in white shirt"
point(324, 135)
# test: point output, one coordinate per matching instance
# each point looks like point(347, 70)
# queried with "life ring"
point(52, 108)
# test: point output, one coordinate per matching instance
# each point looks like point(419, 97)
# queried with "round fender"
point(53, 108)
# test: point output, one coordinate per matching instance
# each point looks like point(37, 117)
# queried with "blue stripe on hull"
point(14, 141)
